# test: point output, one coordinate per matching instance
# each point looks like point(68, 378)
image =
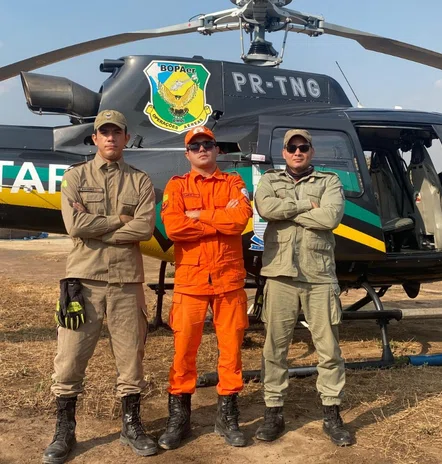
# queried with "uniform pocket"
point(93, 202)
point(285, 190)
point(145, 316)
point(317, 252)
point(335, 304)
point(264, 304)
point(187, 253)
point(220, 202)
point(192, 203)
point(175, 316)
point(278, 246)
point(127, 204)
point(313, 191)
point(242, 320)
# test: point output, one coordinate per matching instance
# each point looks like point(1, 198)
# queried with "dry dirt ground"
point(394, 414)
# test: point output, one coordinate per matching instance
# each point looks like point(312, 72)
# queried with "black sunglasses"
point(303, 148)
point(206, 144)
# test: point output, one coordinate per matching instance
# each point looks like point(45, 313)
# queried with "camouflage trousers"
point(283, 299)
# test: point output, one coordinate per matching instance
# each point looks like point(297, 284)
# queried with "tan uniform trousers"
point(283, 299)
point(125, 309)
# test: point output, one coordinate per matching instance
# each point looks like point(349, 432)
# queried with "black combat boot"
point(226, 423)
point(133, 433)
point(178, 423)
point(273, 424)
point(64, 437)
point(334, 427)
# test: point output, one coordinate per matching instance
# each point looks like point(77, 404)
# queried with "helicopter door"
point(427, 189)
point(337, 149)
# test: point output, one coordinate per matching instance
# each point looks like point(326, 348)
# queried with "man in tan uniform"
point(302, 207)
point(108, 207)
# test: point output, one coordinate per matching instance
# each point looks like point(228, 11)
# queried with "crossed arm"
point(272, 208)
point(305, 213)
point(111, 229)
point(183, 225)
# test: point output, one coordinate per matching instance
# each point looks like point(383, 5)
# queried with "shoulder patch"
point(75, 165)
point(245, 192)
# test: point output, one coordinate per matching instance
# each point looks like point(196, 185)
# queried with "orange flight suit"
point(209, 270)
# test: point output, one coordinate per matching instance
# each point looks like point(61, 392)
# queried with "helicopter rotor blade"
point(387, 46)
point(71, 51)
point(253, 12)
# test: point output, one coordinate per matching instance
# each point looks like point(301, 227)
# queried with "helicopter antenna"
point(351, 88)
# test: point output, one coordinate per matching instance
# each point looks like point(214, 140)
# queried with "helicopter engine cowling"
point(59, 95)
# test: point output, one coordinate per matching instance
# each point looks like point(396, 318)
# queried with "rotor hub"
point(278, 3)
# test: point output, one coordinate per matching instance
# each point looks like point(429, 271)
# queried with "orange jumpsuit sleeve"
point(231, 221)
point(179, 227)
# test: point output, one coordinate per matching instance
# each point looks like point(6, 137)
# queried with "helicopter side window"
point(333, 152)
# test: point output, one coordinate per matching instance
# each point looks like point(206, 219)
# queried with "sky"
point(29, 28)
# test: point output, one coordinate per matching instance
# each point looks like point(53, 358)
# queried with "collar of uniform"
point(100, 162)
point(218, 174)
point(314, 173)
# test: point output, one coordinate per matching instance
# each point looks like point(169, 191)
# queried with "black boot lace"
point(134, 421)
point(333, 417)
point(231, 412)
point(177, 415)
point(62, 426)
point(270, 415)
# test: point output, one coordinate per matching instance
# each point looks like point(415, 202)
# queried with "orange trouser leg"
point(187, 322)
point(230, 320)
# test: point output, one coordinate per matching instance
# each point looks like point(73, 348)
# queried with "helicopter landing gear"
point(372, 295)
point(160, 291)
point(381, 315)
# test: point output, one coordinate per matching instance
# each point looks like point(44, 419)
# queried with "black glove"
point(259, 297)
point(70, 312)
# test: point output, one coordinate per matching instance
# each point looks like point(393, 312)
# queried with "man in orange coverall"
point(204, 212)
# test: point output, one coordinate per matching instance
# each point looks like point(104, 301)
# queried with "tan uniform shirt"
point(104, 248)
point(298, 241)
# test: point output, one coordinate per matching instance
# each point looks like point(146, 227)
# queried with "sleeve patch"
point(245, 192)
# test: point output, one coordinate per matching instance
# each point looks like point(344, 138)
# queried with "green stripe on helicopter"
point(349, 179)
point(357, 212)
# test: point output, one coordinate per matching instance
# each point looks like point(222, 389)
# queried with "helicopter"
point(390, 233)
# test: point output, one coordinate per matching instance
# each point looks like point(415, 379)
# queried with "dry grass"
point(397, 411)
